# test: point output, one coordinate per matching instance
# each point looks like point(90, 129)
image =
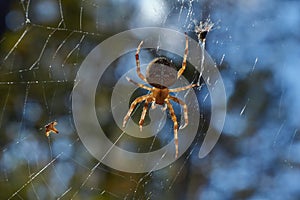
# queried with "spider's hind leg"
point(185, 111)
point(138, 84)
point(145, 108)
point(132, 106)
point(174, 119)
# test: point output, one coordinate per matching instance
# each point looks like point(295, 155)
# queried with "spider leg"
point(185, 111)
point(139, 84)
point(132, 106)
point(153, 106)
point(164, 108)
point(137, 60)
point(183, 88)
point(145, 108)
point(174, 119)
point(184, 56)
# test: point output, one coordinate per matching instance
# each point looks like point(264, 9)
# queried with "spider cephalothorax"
point(161, 74)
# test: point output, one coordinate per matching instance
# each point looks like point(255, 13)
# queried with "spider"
point(160, 74)
point(50, 128)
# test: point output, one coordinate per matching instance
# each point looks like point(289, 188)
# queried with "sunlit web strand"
point(33, 82)
point(40, 171)
point(69, 55)
point(289, 149)
point(66, 192)
point(44, 47)
point(95, 167)
point(33, 177)
point(17, 43)
point(4, 106)
point(186, 159)
point(154, 168)
point(69, 30)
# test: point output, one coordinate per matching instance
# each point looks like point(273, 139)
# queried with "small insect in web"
point(203, 29)
point(51, 128)
point(160, 74)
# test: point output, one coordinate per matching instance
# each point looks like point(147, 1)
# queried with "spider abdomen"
point(161, 72)
point(160, 95)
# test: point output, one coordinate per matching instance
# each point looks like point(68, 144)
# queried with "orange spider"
point(160, 75)
point(50, 128)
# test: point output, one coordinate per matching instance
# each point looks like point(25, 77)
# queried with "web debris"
point(202, 29)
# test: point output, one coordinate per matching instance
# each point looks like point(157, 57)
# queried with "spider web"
point(43, 47)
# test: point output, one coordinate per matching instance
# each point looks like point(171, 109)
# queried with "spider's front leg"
point(137, 61)
point(138, 84)
point(132, 106)
point(186, 51)
point(174, 119)
point(183, 88)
